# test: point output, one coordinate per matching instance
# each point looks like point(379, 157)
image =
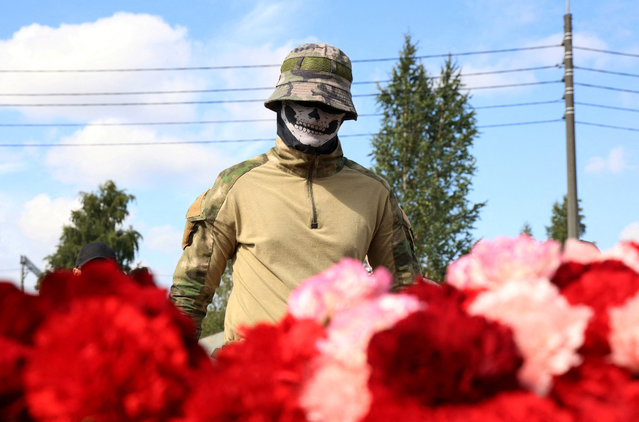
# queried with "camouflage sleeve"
point(406, 264)
point(394, 247)
point(201, 265)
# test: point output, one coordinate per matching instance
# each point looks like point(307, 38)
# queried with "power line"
point(253, 66)
point(537, 122)
point(608, 106)
point(618, 53)
point(151, 103)
point(182, 91)
point(225, 141)
point(154, 103)
point(193, 122)
point(205, 122)
point(468, 53)
point(512, 85)
point(217, 90)
point(610, 88)
point(611, 72)
point(518, 104)
point(633, 129)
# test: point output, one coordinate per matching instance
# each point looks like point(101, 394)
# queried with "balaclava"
point(309, 127)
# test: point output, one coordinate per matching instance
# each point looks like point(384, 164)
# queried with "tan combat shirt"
point(282, 217)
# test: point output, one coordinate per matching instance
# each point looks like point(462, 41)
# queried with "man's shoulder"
point(230, 175)
point(376, 178)
point(207, 205)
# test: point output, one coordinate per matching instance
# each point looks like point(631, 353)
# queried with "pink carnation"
point(580, 252)
point(547, 329)
point(350, 330)
point(494, 262)
point(624, 334)
point(626, 252)
point(585, 253)
point(339, 287)
point(336, 392)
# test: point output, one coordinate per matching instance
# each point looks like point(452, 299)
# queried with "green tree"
point(423, 151)
point(99, 219)
point(526, 229)
point(558, 229)
point(213, 321)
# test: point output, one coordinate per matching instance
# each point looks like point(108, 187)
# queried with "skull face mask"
point(312, 125)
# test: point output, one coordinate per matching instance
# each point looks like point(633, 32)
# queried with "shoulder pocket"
point(194, 215)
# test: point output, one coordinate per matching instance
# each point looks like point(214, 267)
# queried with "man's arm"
point(394, 247)
point(199, 269)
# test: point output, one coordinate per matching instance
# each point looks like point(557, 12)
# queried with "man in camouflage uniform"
point(294, 211)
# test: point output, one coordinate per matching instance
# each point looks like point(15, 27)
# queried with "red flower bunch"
point(600, 285)
point(20, 316)
point(520, 331)
point(259, 378)
point(441, 355)
point(102, 346)
point(598, 391)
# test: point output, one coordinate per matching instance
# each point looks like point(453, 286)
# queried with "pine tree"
point(423, 151)
point(558, 229)
point(526, 229)
point(99, 219)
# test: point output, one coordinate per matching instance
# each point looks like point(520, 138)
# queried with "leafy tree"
point(526, 229)
point(99, 219)
point(423, 151)
point(558, 229)
point(213, 321)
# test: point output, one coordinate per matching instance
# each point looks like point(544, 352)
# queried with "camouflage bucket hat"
point(316, 72)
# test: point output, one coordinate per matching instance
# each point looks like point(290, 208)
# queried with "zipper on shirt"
point(309, 185)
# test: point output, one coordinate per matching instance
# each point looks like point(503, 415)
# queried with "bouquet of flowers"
point(520, 330)
point(101, 346)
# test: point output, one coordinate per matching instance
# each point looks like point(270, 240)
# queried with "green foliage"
point(99, 219)
point(558, 229)
point(526, 229)
point(423, 151)
point(213, 322)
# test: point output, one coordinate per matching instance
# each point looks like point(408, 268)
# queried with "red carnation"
point(443, 355)
point(13, 357)
point(106, 360)
point(598, 391)
point(601, 286)
point(103, 278)
point(259, 378)
point(567, 273)
point(100, 278)
point(20, 316)
point(20, 313)
point(510, 406)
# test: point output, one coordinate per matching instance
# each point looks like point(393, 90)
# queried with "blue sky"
point(521, 167)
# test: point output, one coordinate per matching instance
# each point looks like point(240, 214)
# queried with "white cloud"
point(630, 232)
point(265, 20)
point(131, 166)
point(31, 229)
point(10, 167)
point(615, 163)
point(42, 218)
point(163, 239)
point(123, 40)
point(12, 161)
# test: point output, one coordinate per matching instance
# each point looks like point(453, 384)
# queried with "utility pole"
point(25, 262)
point(569, 116)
